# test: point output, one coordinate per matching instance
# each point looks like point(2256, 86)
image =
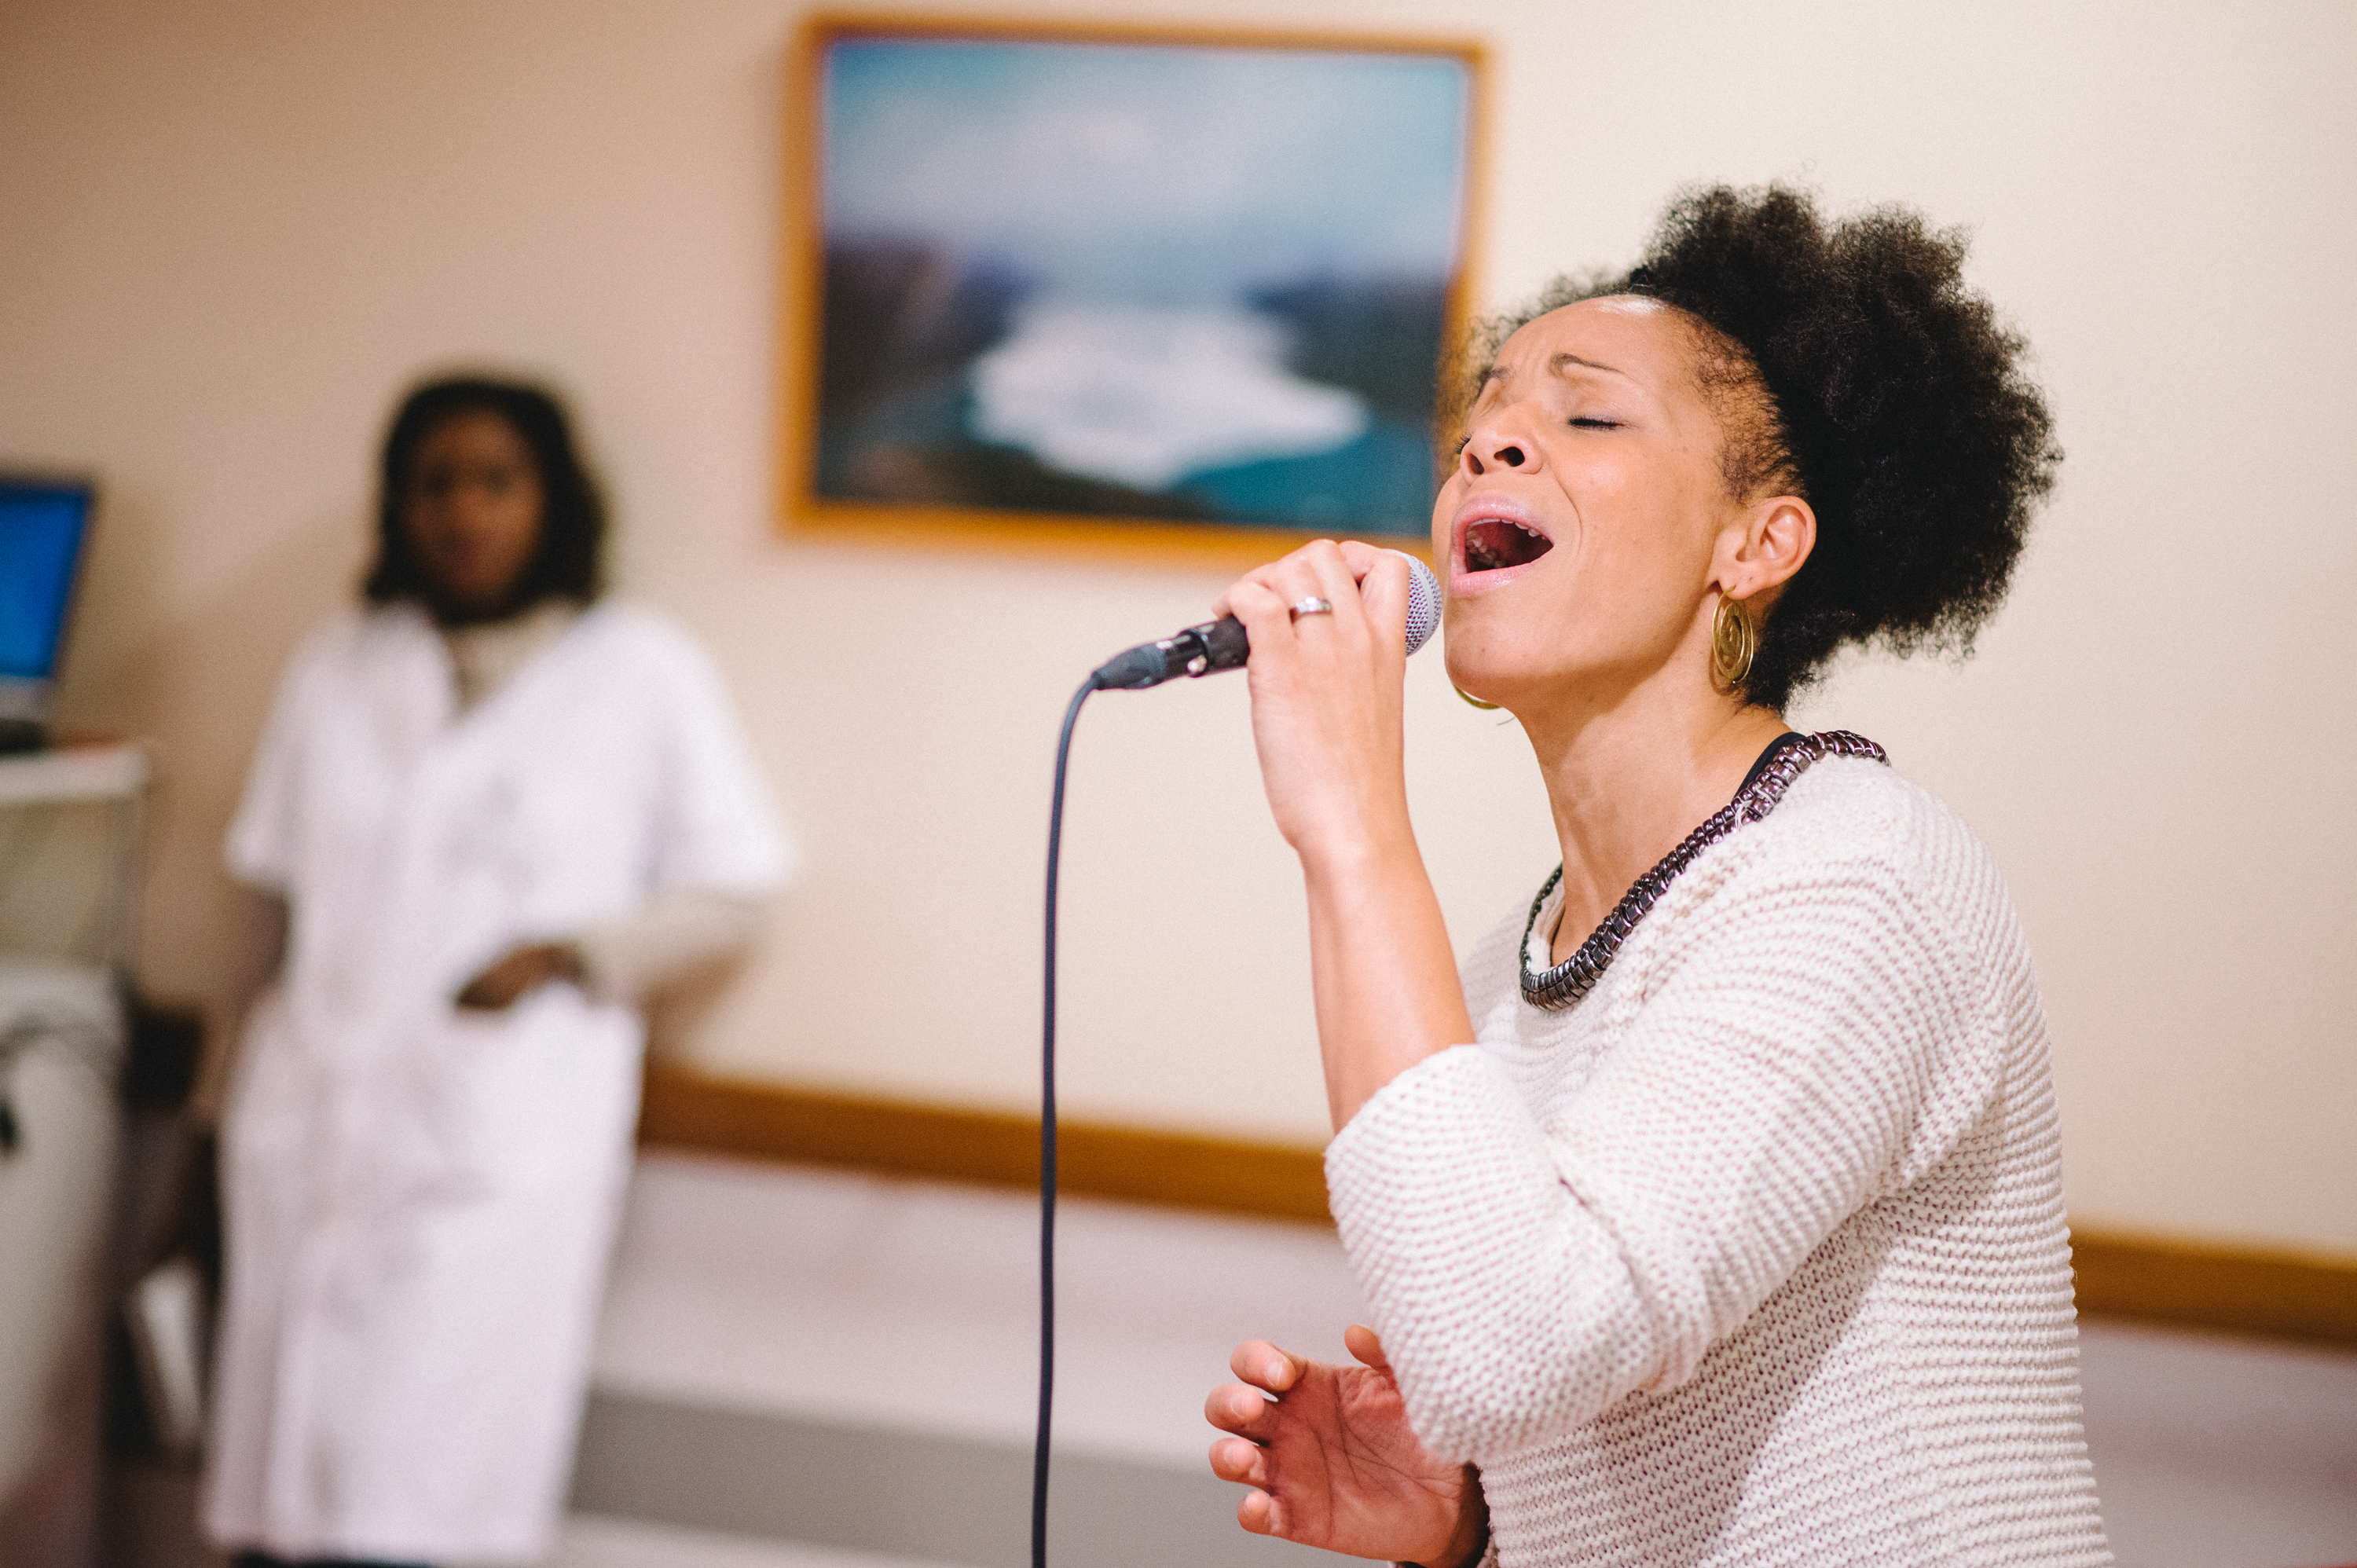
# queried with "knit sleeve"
point(1808, 1040)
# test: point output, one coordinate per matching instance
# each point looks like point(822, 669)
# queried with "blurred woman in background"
point(1715, 1217)
point(499, 810)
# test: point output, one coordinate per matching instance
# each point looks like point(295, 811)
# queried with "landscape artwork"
point(1198, 284)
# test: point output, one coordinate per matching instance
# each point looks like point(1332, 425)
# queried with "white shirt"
point(420, 1200)
point(1757, 1254)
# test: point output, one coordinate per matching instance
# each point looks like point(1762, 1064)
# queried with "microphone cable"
point(1047, 1140)
point(1194, 652)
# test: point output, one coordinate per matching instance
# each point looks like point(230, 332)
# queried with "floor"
point(598, 1542)
point(790, 1356)
point(801, 1368)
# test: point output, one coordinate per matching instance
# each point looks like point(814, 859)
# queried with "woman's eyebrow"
point(1494, 373)
point(1563, 362)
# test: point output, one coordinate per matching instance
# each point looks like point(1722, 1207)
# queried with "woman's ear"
point(1764, 547)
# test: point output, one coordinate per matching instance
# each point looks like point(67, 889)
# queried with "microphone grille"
point(1423, 601)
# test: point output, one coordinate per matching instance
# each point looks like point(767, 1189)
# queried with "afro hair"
point(1894, 403)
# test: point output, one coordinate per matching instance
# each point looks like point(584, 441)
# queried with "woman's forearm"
point(1328, 665)
point(1381, 966)
point(676, 934)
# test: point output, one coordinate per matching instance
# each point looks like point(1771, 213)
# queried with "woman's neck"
point(1625, 783)
point(486, 655)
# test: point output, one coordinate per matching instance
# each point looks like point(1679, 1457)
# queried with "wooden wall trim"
point(2295, 1295)
point(2147, 1278)
point(689, 1109)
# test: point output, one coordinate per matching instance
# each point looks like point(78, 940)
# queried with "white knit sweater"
point(1757, 1254)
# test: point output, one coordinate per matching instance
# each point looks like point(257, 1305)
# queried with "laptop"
point(44, 536)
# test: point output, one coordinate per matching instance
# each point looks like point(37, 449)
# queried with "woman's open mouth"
point(1495, 543)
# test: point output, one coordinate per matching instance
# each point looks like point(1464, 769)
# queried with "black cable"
point(1048, 1144)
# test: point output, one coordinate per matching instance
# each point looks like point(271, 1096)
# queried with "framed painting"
point(1136, 289)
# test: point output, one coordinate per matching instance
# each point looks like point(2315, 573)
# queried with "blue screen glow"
point(41, 529)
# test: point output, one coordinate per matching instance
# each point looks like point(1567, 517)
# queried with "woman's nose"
point(1490, 451)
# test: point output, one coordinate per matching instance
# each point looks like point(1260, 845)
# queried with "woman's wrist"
point(1378, 857)
point(1470, 1544)
point(1478, 1548)
point(1375, 835)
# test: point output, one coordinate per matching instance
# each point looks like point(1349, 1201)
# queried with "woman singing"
point(1714, 1214)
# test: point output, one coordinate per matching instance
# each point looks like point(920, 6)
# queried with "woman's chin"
point(1482, 681)
point(456, 608)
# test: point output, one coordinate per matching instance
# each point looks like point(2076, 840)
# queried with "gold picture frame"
point(969, 359)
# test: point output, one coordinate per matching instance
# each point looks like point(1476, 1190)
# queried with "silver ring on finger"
point(1312, 606)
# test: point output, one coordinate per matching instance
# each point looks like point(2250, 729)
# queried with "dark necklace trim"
point(1575, 976)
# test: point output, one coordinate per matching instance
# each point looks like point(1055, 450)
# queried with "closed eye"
point(1585, 423)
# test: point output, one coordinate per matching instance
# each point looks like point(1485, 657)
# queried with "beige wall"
point(230, 233)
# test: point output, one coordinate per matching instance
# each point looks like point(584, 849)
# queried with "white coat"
point(420, 1201)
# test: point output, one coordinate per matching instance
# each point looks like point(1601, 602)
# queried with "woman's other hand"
point(521, 972)
point(1334, 1463)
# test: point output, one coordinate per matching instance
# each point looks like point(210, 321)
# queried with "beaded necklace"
point(1789, 757)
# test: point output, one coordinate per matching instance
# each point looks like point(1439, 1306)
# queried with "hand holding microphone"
point(1326, 692)
point(1222, 644)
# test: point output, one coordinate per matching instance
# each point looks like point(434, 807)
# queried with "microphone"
point(1221, 644)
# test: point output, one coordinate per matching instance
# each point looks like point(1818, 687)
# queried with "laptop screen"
point(42, 524)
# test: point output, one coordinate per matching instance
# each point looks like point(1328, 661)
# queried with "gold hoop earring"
point(1734, 641)
point(1471, 700)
